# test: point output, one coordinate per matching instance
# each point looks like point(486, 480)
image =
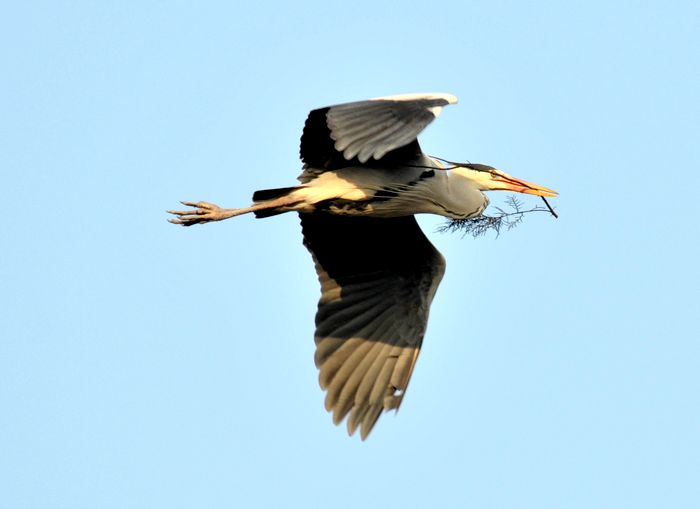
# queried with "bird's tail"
point(270, 202)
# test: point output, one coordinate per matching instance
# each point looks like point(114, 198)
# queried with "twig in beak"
point(549, 207)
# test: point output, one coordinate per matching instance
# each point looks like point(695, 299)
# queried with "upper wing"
point(368, 129)
point(378, 278)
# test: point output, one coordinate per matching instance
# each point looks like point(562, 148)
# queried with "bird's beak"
point(508, 183)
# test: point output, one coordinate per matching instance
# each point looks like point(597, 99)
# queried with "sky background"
point(148, 365)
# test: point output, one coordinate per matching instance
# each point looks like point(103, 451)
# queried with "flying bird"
point(364, 178)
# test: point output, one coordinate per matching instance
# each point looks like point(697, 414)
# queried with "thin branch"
point(480, 225)
point(549, 207)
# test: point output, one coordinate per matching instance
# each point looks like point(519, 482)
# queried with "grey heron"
point(363, 180)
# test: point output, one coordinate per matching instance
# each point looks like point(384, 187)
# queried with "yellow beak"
point(508, 183)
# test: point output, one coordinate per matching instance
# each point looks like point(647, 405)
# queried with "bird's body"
point(364, 178)
point(421, 186)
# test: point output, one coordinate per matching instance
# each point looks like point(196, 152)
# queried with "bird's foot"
point(202, 212)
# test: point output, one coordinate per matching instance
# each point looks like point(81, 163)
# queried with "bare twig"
point(549, 207)
point(480, 225)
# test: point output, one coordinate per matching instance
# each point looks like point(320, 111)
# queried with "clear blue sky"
point(147, 365)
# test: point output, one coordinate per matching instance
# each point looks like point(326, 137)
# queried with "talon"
point(201, 212)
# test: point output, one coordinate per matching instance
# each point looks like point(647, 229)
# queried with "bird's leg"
point(203, 212)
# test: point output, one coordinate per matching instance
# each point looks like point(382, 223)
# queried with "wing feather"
point(378, 278)
point(342, 376)
point(370, 419)
point(370, 378)
point(377, 128)
point(356, 415)
point(381, 386)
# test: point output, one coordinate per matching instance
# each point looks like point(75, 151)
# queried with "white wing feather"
point(374, 127)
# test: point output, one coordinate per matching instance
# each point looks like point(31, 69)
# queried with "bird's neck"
point(459, 195)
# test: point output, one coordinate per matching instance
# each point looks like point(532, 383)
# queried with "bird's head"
point(487, 178)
